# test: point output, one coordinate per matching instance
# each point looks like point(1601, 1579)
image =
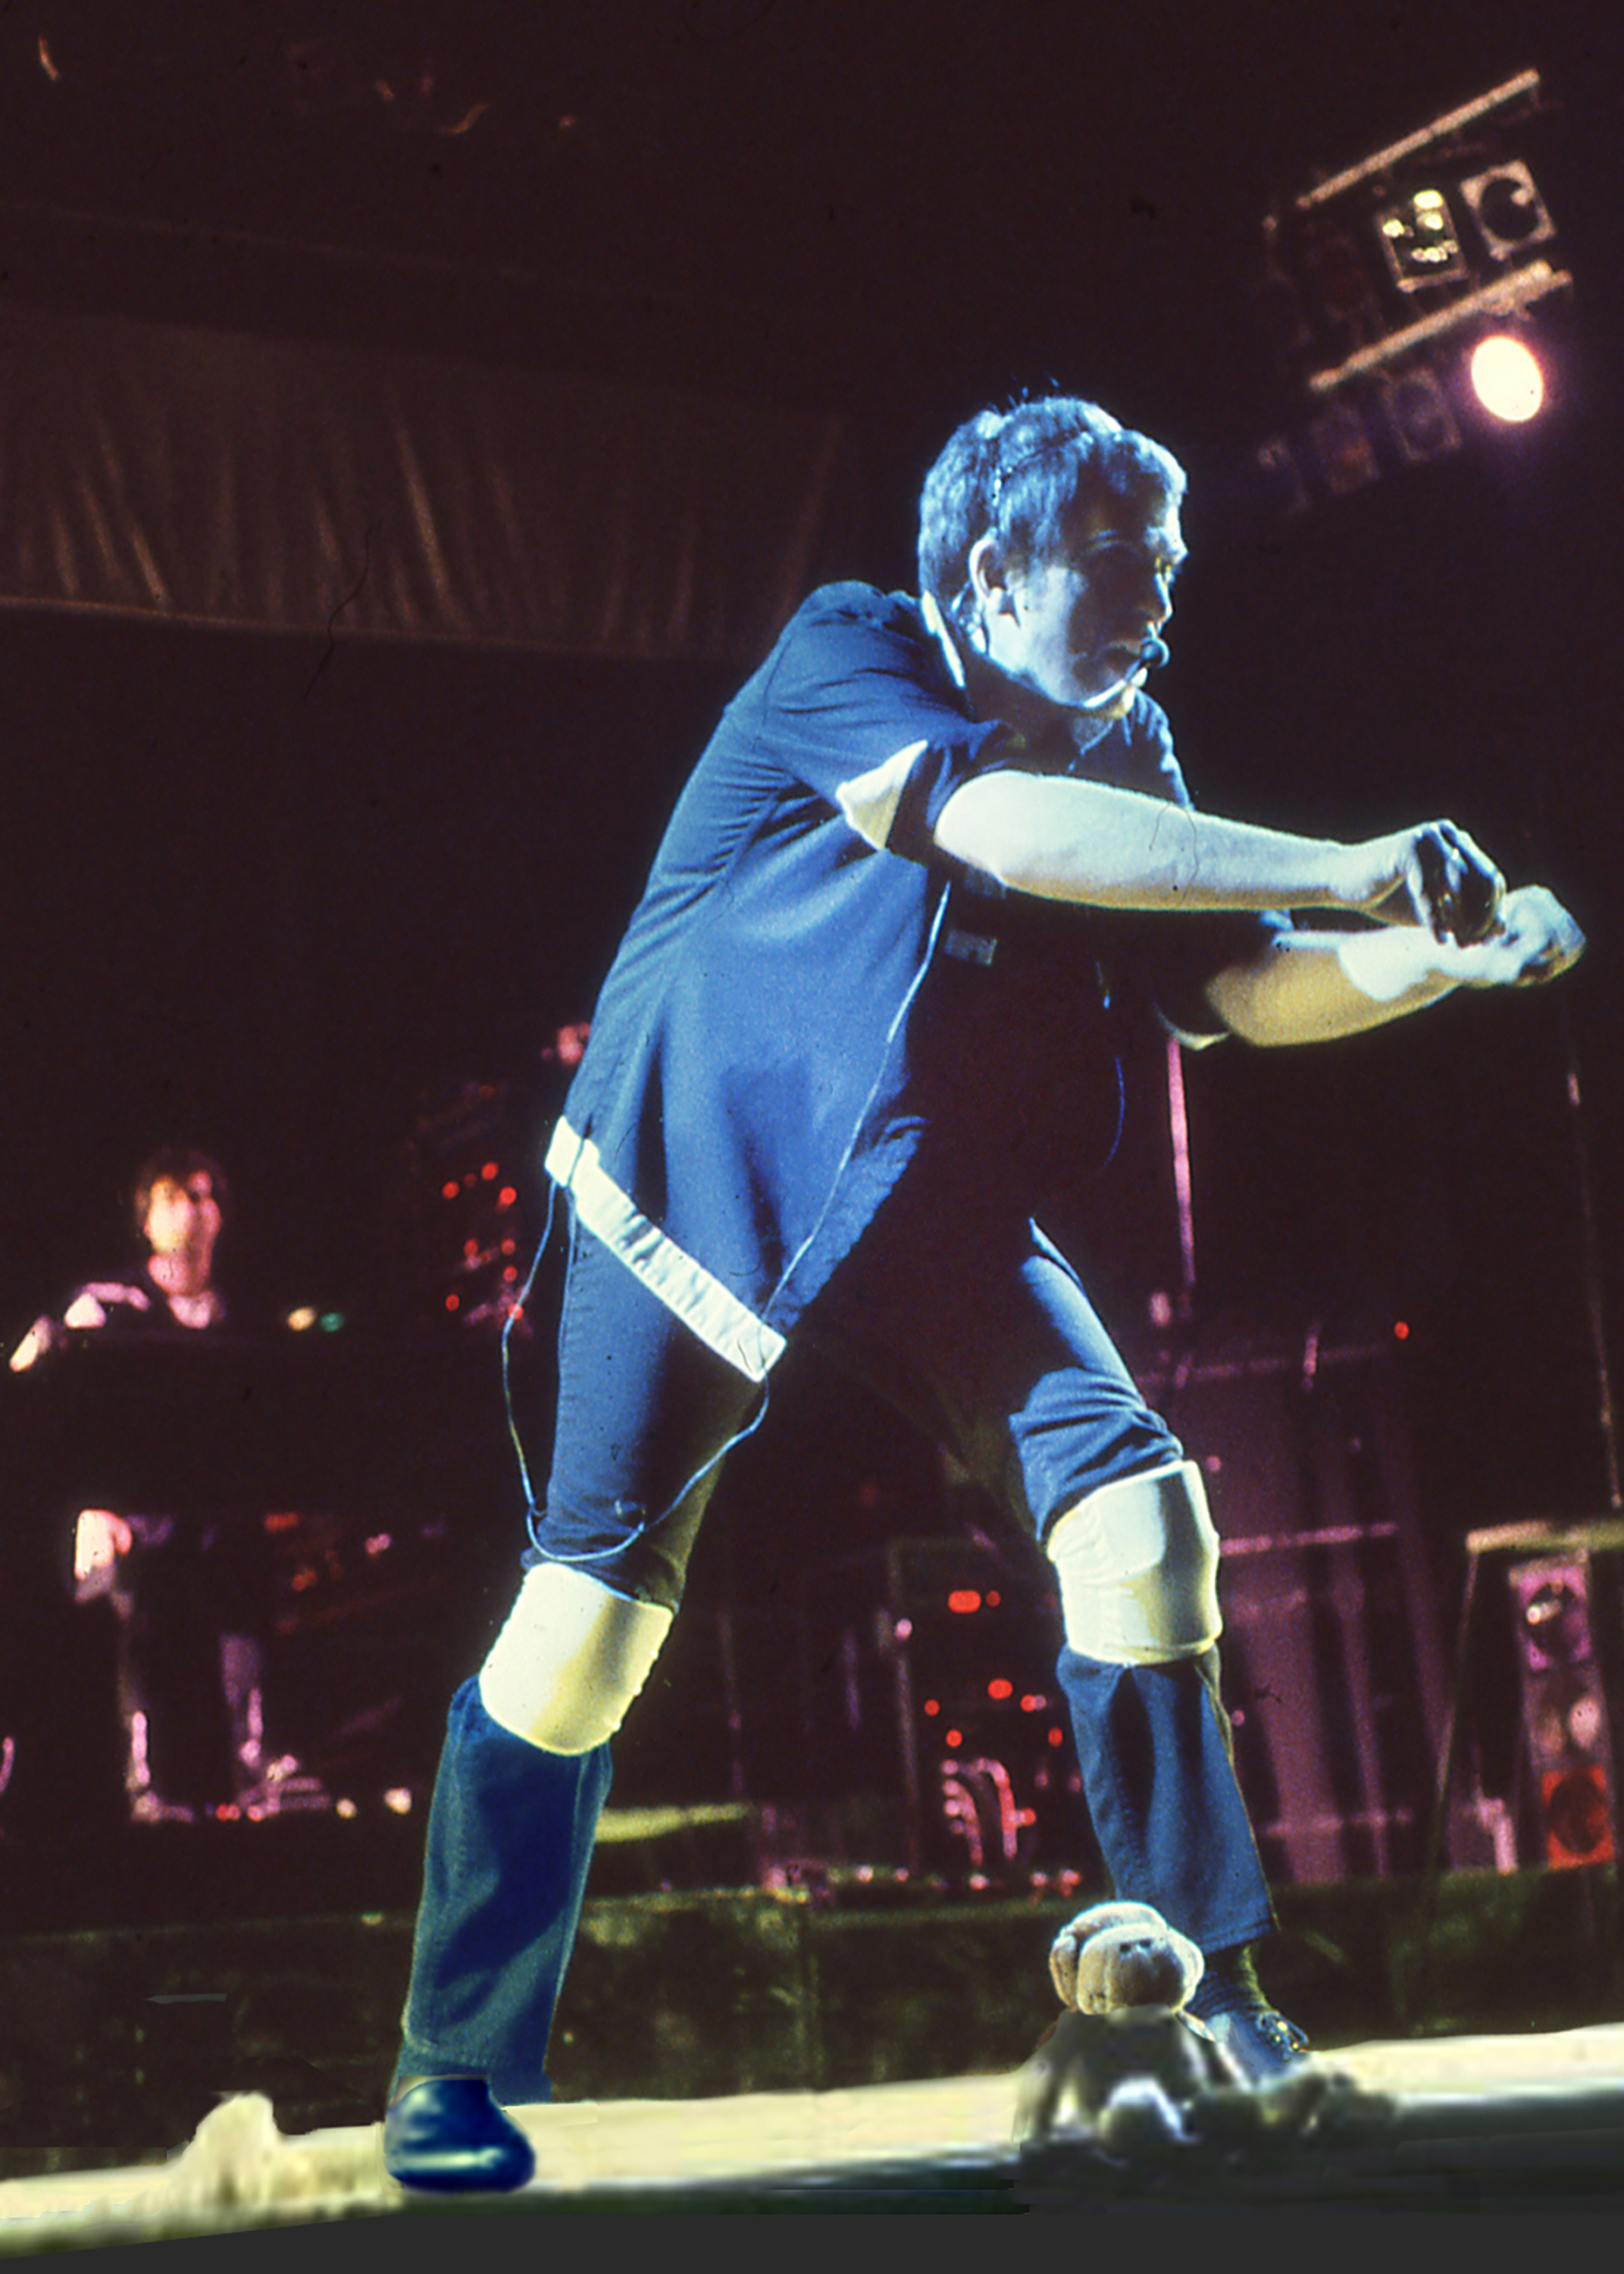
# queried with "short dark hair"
point(1017, 474)
point(176, 1164)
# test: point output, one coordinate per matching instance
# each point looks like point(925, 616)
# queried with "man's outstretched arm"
point(1064, 839)
point(1309, 986)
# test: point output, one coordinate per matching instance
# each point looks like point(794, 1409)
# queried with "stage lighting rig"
point(1406, 295)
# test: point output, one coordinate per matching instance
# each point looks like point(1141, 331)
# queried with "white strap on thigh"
point(1138, 1564)
point(571, 1660)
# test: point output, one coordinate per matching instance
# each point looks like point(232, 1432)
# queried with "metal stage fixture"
point(1333, 1665)
point(469, 1185)
point(1564, 1710)
point(463, 1203)
point(1566, 1606)
point(1384, 285)
point(927, 1671)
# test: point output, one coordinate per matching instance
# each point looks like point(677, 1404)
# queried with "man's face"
point(184, 1218)
point(1070, 626)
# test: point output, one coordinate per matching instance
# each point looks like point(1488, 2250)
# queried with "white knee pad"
point(571, 1660)
point(1138, 1564)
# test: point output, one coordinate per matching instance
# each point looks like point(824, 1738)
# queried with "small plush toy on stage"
point(1141, 2072)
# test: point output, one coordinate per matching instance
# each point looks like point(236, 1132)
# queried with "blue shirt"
point(809, 985)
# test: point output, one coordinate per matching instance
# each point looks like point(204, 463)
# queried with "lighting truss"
point(1380, 279)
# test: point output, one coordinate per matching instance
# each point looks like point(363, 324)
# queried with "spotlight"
point(1419, 239)
point(1433, 237)
point(1422, 426)
point(1509, 210)
point(1507, 378)
point(1342, 446)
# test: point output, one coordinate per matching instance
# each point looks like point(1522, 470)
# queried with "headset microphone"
point(1151, 655)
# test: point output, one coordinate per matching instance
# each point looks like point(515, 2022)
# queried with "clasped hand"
point(1435, 876)
point(1534, 940)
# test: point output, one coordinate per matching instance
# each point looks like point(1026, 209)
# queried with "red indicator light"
point(931, 1705)
point(964, 1599)
point(506, 1197)
point(1023, 1815)
point(1057, 1736)
point(510, 1274)
point(1033, 1704)
point(955, 1737)
point(454, 1302)
point(1001, 1688)
point(993, 1599)
point(1401, 1331)
point(489, 1171)
point(449, 1191)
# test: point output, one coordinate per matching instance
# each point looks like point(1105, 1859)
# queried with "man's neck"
point(994, 695)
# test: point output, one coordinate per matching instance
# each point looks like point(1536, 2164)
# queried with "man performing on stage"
point(859, 1029)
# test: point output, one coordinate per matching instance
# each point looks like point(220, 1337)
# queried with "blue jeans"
point(510, 1839)
point(968, 1320)
point(962, 1315)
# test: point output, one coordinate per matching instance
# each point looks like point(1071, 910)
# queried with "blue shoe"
point(1230, 2003)
point(448, 2136)
point(1261, 2043)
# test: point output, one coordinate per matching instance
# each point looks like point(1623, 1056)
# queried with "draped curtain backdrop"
point(210, 478)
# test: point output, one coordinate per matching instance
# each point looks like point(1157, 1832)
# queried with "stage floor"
point(1533, 2121)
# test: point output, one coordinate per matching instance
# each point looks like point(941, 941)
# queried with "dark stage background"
point(279, 896)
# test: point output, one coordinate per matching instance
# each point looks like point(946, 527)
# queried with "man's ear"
point(990, 576)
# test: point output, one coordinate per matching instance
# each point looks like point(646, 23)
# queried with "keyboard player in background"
point(193, 1597)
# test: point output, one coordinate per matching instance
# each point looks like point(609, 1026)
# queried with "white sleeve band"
point(1138, 1566)
point(571, 1660)
point(869, 800)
